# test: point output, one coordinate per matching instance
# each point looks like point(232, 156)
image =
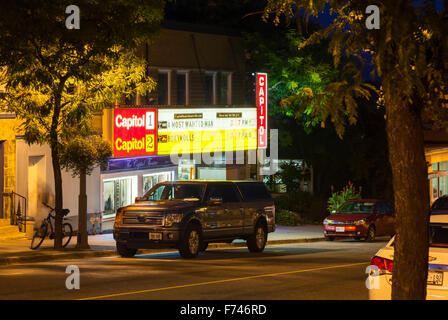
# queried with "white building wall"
point(37, 183)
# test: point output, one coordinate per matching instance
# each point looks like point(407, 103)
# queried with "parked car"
point(361, 219)
point(188, 215)
point(380, 279)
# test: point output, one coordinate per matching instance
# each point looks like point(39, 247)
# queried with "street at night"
point(310, 271)
point(190, 153)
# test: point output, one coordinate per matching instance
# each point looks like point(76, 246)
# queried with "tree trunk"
point(411, 193)
point(83, 242)
point(58, 196)
point(54, 145)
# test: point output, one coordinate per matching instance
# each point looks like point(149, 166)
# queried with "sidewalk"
point(102, 245)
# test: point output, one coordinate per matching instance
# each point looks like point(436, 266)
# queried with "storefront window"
point(150, 180)
point(118, 193)
point(439, 185)
point(186, 170)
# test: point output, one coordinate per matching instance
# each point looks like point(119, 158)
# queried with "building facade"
point(202, 110)
point(436, 152)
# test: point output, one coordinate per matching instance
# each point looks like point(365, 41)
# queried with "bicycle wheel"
point(67, 231)
point(39, 236)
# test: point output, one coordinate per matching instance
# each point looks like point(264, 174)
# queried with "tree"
point(361, 156)
point(408, 54)
point(56, 76)
point(80, 155)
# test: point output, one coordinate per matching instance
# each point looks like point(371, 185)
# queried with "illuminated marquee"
point(262, 109)
point(206, 130)
point(135, 132)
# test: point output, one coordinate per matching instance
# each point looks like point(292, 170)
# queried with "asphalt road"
point(319, 270)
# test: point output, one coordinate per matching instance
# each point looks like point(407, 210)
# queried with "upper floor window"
point(225, 85)
point(181, 82)
point(163, 88)
point(209, 88)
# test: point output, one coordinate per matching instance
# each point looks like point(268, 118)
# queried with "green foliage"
point(286, 218)
point(300, 207)
point(337, 199)
point(54, 77)
point(81, 154)
point(291, 174)
point(410, 59)
point(291, 73)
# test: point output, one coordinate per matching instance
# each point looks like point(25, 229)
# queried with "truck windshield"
point(175, 191)
point(438, 235)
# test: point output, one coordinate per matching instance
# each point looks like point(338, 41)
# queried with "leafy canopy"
point(55, 78)
point(407, 54)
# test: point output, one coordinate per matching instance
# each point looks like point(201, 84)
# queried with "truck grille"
point(144, 218)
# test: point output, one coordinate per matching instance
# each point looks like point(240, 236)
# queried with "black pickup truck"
point(188, 215)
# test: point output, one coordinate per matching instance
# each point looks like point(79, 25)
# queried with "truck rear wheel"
point(257, 241)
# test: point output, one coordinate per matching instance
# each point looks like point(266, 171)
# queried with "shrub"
point(286, 218)
point(300, 205)
point(337, 199)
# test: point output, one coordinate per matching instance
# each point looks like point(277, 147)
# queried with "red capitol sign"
point(262, 109)
point(135, 132)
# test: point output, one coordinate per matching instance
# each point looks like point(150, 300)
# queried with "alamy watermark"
point(373, 20)
point(73, 280)
point(73, 20)
point(209, 146)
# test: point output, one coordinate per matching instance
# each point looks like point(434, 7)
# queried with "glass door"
point(117, 193)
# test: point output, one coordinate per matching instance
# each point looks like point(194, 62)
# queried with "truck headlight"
point(172, 218)
point(119, 217)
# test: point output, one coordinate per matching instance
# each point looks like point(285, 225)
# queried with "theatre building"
point(199, 123)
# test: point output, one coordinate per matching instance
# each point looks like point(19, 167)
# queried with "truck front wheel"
point(124, 251)
point(190, 244)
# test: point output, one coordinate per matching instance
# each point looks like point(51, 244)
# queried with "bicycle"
point(42, 232)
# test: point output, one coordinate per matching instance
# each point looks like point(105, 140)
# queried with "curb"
point(108, 253)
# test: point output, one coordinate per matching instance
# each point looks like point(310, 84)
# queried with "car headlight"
point(326, 221)
point(172, 218)
point(360, 222)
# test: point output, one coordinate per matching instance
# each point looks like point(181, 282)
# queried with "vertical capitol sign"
point(262, 109)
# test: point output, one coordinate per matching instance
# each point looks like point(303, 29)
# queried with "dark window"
point(208, 89)
point(226, 192)
point(389, 208)
point(254, 191)
point(162, 86)
point(175, 191)
point(357, 207)
point(181, 79)
point(380, 209)
point(439, 235)
point(223, 89)
point(440, 204)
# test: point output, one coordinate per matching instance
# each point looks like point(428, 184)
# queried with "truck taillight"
point(382, 263)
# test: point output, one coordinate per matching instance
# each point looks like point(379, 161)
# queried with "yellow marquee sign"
point(186, 131)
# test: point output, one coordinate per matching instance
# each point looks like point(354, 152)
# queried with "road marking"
point(223, 281)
